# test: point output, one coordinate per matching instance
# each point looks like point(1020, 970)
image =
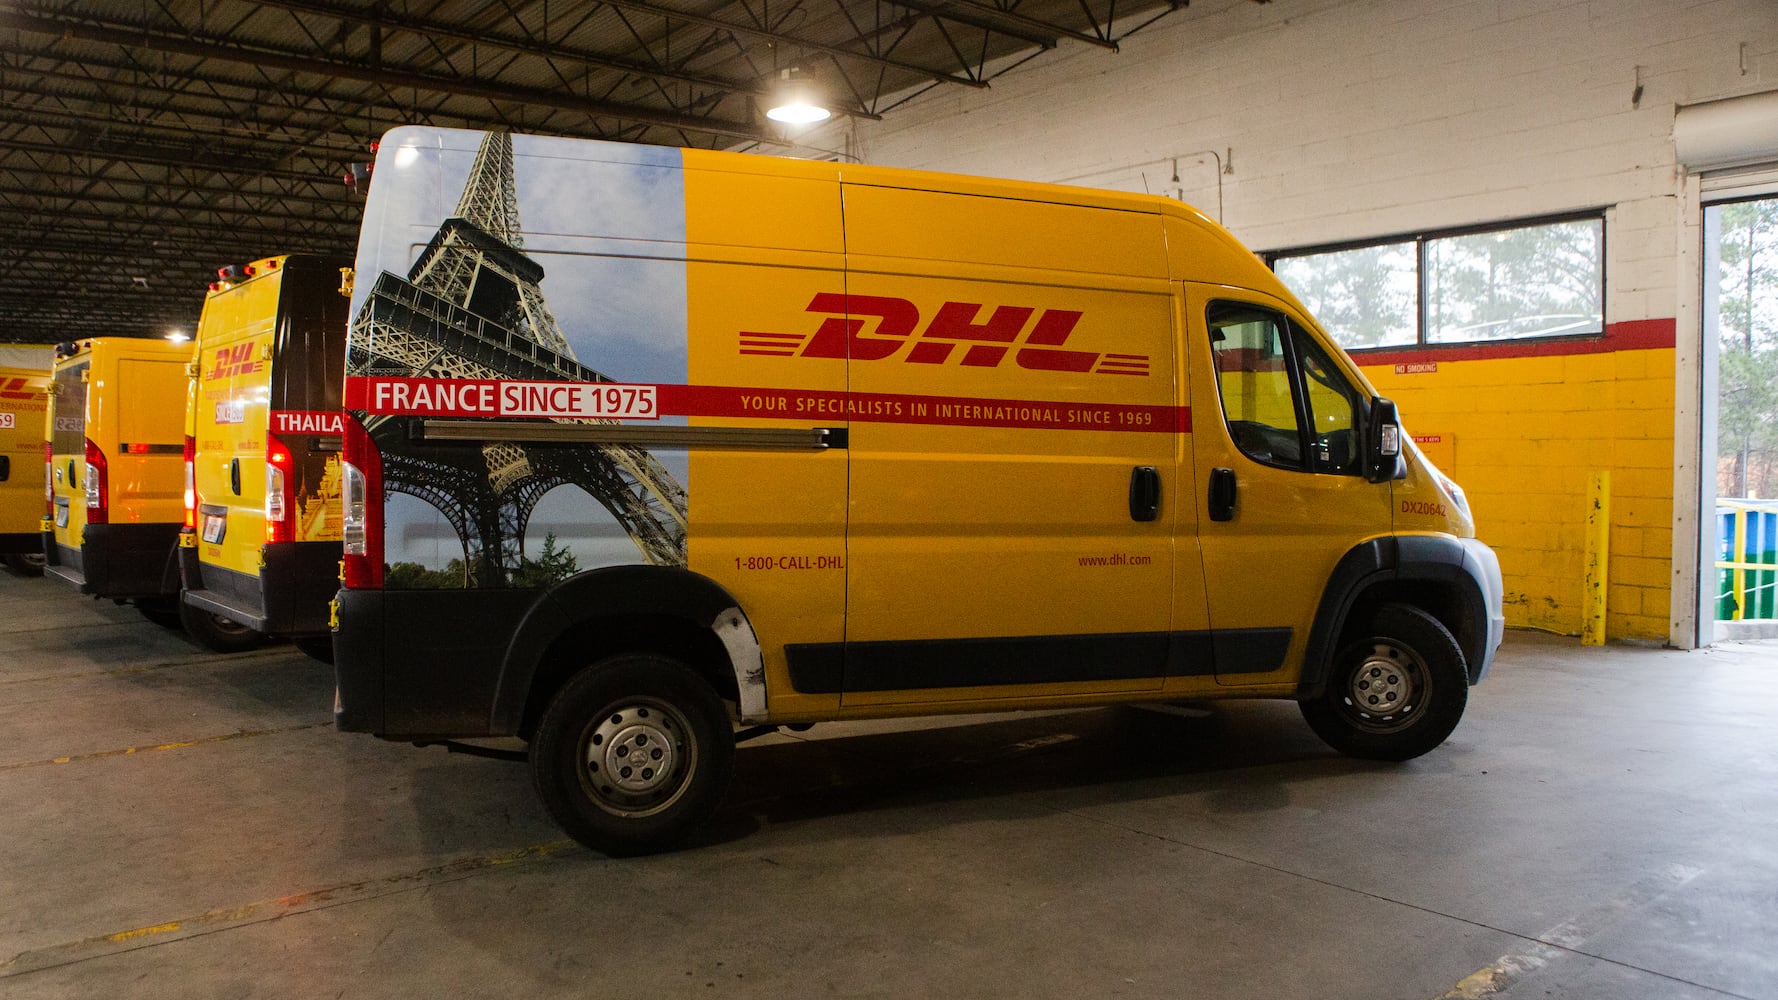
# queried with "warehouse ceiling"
point(144, 144)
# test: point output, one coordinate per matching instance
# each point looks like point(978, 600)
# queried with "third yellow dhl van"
point(260, 550)
point(647, 448)
point(24, 394)
point(116, 424)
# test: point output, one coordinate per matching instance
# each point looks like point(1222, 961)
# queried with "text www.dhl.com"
point(1118, 559)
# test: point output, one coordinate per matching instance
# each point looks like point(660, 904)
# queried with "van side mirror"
point(1382, 443)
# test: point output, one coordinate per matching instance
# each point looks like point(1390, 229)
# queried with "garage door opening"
point(1741, 321)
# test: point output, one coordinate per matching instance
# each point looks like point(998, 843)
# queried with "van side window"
point(1332, 407)
point(1286, 402)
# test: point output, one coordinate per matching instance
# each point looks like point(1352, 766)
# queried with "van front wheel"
point(633, 753)
point(1396, 692)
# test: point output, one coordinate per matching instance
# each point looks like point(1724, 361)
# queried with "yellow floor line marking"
point(180, 745)
point(214, 660)
point(1568, 937)
point(224, 918)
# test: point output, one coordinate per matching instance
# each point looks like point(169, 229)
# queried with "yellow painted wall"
point(1524, 432)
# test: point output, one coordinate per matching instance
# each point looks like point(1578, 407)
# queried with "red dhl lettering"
point(236, 360)
point(879, 328)
point(17, 388)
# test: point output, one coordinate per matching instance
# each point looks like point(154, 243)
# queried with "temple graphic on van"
point(471, 307)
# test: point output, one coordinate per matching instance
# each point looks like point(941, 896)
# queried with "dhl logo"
point(236, 360)
point(983, 344)
point(17, 388)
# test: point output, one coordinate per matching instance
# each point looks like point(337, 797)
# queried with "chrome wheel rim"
point(636, 757)
point(1387, 690)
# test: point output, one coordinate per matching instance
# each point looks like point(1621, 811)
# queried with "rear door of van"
point(229, 427)
point(67, 455)
point(1015, 445)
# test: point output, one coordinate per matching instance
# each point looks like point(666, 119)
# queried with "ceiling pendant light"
point(795, 102)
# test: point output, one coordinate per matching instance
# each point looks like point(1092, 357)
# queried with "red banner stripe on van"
point(484, 398)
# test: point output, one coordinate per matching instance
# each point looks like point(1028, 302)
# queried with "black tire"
point(319, 647)
point(25, 563)
point(1395, 693)
point(218, 632)
point(636, 703)
point(163, 611)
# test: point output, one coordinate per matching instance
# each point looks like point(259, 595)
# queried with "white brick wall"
point(1350, 119)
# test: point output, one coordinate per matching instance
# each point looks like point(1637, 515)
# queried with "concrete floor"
point(177, 823)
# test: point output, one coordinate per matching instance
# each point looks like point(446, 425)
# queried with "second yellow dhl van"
point(116, 432)
point(24, 399)
point(260, 551)
point(648, 448)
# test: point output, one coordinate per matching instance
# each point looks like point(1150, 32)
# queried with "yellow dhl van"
point(116, 427)
point(649, 447)
point(260, 551)
point(24, 399)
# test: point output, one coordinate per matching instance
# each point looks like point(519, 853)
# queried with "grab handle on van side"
point(1382, 443)
point(1222, 494)
point(1145, 493)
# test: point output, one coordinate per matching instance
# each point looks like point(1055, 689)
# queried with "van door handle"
point(1222, 494)
point(1145, 493)
point(234, 476)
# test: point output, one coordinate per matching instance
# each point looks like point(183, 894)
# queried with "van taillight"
point(191, 485)
point(280, 506)
point(361, 486)
point(98, 492)
point(49, 479)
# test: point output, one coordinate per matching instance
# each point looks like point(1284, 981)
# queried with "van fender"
point(617, 592)
point(1395, 559)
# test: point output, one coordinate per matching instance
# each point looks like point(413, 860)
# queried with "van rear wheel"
point(218, 632)
point(632, 753)
point(1396, 692)
point(25, 563)
point(163, 611)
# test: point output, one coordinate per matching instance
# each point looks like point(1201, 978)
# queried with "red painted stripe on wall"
point(1631, 335)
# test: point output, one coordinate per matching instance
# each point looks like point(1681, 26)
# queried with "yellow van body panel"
point(119, 392)
point(230, 413)
point(24, 405)
point(770, 526)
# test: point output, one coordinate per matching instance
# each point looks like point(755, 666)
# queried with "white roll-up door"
point(1737, 132)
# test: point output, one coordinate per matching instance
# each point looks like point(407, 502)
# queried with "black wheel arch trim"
point(1397, 558)
point(618, 592)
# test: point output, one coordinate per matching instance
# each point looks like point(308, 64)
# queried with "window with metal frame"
point(1542, 278)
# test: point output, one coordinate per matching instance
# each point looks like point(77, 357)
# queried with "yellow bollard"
point(1598, 558)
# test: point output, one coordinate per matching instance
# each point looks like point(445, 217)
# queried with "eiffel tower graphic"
point(471, 308)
